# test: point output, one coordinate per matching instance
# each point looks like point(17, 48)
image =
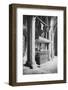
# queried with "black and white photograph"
point(39, 44)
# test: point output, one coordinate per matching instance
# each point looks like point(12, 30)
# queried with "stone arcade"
point(39, 39)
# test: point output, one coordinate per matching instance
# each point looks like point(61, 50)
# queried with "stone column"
point(52, 46)
point(31, 42)
point(51, 38)
point(34, 65)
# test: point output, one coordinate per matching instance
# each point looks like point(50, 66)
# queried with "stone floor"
point(46, 68)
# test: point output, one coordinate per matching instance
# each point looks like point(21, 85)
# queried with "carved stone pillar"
point(34, 65)
point(31, 42)
point(51, 38)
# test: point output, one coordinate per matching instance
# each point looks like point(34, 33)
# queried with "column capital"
point(34, 18)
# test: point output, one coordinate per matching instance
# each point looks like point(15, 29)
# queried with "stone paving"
point(46, 68)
